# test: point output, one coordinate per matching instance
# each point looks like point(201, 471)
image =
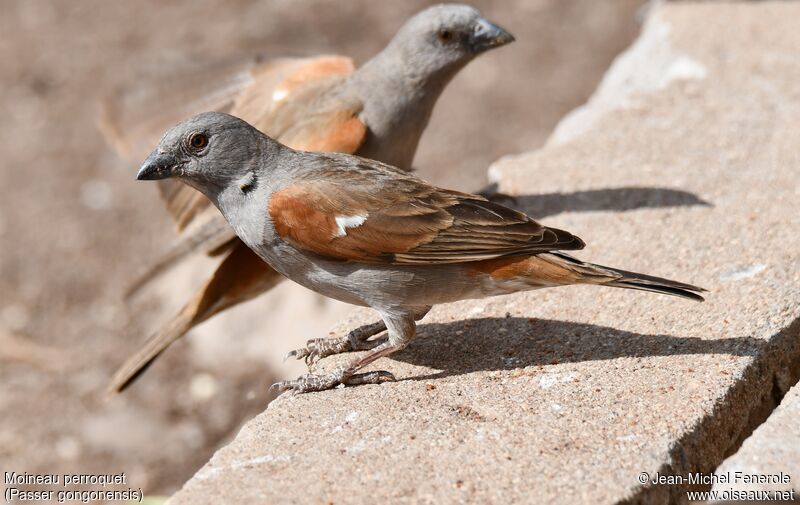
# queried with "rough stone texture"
point(772, 449)
point(689, 170)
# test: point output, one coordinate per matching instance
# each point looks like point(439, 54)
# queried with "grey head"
point(443, 38)
point(400, 85)
point(213, 152)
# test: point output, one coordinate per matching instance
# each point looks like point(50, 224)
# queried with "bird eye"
point(445, 35)
point(198, 141)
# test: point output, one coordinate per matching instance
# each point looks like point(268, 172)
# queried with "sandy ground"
point(75, 227)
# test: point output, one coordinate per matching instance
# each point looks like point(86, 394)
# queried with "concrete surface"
point(567, 395)
point(772, 450)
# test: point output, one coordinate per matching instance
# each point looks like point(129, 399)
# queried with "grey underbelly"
point(377, 286)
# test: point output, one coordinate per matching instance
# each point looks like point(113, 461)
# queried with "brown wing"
point(390, 218)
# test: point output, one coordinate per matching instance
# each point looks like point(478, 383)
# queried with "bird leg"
point(356, 340)
point(401, 329)
point(342, 375)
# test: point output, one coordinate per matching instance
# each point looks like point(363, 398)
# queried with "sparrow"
point(371, 234)
point(377, 111)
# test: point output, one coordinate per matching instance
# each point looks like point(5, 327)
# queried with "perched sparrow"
point(378, 111)
point(370, 234)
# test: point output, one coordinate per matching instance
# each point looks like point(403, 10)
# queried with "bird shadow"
point(488, 344)
point(609, 199)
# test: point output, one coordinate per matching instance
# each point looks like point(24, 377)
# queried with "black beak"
point(157, 166)
point(488, 35)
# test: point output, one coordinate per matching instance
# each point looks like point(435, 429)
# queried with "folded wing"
point(377, 217)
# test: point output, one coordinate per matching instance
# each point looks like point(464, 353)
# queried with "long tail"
point(597, 274)
point(211, 237)
point(152, 348)
point(240, 277)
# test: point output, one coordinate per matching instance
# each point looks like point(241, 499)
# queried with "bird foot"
point(319, 348)
point(311, 382)
point(356, 340)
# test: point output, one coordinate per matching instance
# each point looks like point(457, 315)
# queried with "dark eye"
point(444, 35)
point(198, 141)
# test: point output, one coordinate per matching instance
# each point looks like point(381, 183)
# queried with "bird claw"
point(298, 354)
point(357, 340)
point(311, 382)
point(319, 348)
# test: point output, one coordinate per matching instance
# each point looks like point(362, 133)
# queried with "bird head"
point(212, 152)
point(446, 37)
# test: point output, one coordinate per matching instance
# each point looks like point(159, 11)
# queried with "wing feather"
point(404, 221)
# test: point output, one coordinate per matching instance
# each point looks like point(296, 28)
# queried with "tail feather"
point(663, 286)
point(241, 276)
point(152, 349)
point(608, 276)
point(213, 237)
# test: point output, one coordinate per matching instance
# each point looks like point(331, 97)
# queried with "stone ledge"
point(567, 395)
point(773, 449)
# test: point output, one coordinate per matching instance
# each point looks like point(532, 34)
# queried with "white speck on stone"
point(345, 222)
point(511, 362)
point(207, 473)
point(627, 438)
point(742, 273)
point(474, 311)
point(555, 407)
point(349, 418)
point(386, 439)
point(685, 68)
point(548, 380)
point(357, 447)
point(203, 386)
point(259, 460)
point(96, 194)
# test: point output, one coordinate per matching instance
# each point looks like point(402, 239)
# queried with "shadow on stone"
point(508, 343)
point(611, 199)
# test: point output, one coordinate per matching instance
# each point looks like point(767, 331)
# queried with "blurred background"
point(75, 227)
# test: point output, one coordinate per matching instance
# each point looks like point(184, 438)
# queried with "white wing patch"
point(279, 94)
point(345, 222)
